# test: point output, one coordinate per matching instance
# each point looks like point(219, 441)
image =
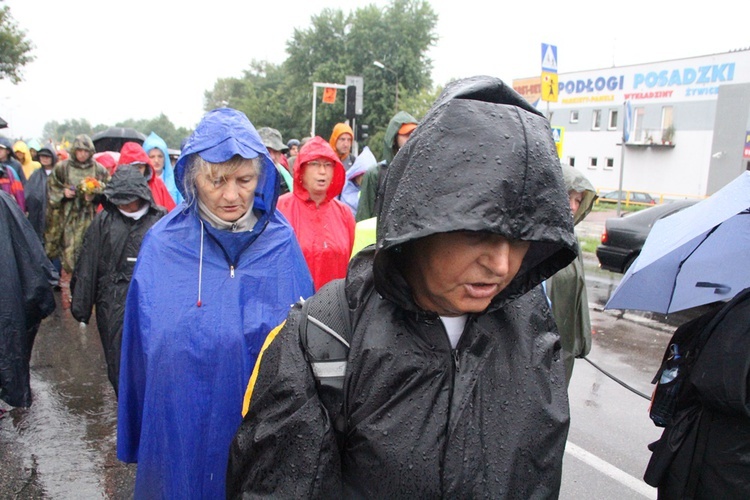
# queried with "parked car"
point(628, 196)
point(623, 237)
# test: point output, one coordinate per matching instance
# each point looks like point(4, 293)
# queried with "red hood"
point(315, 148)
point(132, 152)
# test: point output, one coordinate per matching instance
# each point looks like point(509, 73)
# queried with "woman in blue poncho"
point(213, 277)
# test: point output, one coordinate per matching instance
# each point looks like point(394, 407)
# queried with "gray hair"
point(197, 166)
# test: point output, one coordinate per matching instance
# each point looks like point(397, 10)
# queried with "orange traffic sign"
point(329, 95)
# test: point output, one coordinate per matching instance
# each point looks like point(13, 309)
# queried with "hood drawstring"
point(200, 267)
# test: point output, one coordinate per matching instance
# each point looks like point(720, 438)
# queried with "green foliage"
point(163, 127)
point(588, 244)
point(66, 131)
point(334, 46)
point(15, 48)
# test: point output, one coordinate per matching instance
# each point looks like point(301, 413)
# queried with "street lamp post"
point(383, 66)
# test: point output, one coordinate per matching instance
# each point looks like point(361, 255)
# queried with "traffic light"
point(351, 102)
point(362, 132)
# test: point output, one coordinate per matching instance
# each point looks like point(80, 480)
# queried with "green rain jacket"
point(567, 288)
point(371, 181)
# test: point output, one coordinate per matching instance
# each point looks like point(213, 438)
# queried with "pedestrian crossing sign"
point(557, 134)
point(549, 58)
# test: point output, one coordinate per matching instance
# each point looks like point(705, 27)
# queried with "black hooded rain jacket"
point(25, 299)
point(423, 420)
point(105, 267)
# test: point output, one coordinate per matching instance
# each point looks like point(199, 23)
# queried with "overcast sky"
point(109, 61)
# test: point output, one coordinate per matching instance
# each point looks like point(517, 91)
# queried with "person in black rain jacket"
point(25, 299)
point(108, 256)
point(454, 385)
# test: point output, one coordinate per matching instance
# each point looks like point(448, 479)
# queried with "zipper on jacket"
point(231, 271)
point(456, 361)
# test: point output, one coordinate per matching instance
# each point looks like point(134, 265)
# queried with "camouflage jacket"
point(68, 218)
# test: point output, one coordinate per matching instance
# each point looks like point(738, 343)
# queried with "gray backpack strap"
point(325, 331)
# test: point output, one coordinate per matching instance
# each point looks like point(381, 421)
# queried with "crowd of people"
point(448, 273)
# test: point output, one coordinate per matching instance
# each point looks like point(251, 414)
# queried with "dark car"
point(623, 237)
point(628, 197)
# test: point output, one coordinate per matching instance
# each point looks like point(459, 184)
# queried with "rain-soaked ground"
point(64, 445)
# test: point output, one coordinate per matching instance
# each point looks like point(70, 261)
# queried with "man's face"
point(4, 153)
point(401, 139)
point(83, 155)
point(344, 144)
point(461, 272)
point(275, 155)
point(131, 207)
point(293, 150)
point(229, 196)
point(46, 161)
point(157, 160)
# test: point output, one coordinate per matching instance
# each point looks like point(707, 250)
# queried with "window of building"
point(592, 162)
point(638, 132)
point(612, 125)
point(609, 164)
point(574, 117)
point(667, 125)
point(596, 122)
point(572, 161)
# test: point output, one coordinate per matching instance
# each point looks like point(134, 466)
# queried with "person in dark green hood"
point(567, 288)
point(454, 385)
point(399, 129)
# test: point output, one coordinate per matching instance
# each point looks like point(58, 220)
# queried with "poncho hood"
point(167, 174)
point(482, 159)
point(314, 149)
point(133, 153)
point(222, 134)
point(126, 185)
point(389, 140)
point(338, 130)
point(576, 181)
point(83, 141)
point(49, 150)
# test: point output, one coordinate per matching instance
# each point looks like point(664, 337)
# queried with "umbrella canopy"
point(113, 138)
point(694, 257)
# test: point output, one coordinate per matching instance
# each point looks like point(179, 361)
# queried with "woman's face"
point(228, 196)
point(83, 155)
point(317, 176)
point(157, 160)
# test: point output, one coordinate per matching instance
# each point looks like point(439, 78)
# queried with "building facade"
point(688, 132)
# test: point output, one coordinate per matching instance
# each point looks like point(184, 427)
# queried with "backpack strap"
point(325, 332)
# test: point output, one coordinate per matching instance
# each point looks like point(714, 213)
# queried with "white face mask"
point(137, 214)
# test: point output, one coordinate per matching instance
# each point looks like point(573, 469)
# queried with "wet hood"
point(126, 184)
point(314, 149)
point(575, 180)
point(482, 159)
point(390, 133)
point(221, 134)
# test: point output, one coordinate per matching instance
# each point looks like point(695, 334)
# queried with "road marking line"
point(610, 470)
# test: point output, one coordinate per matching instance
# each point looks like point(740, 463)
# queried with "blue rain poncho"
point(167, 175)
point(185, 365)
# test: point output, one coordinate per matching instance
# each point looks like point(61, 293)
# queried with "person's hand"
point(69, 193)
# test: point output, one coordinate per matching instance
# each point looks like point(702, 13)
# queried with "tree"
point(334, 46)
point(68, 130)
point(15, 49)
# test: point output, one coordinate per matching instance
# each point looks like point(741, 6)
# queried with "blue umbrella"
point(694, 257)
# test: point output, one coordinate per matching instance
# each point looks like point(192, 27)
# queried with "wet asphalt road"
point(64, 445)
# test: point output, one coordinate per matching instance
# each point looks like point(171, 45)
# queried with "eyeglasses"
point(318, 164)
